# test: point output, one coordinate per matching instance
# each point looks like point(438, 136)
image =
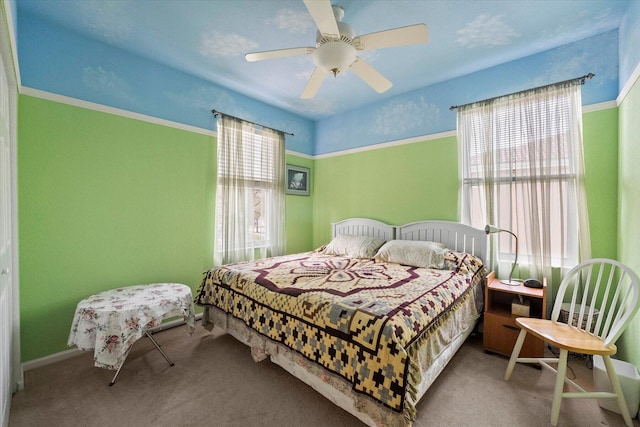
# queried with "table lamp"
point(490, 229)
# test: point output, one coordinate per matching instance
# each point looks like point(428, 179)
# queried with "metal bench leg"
point(159, 349)
point(118, 371)
point(155, 343)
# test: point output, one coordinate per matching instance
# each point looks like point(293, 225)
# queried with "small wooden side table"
point(500, 331)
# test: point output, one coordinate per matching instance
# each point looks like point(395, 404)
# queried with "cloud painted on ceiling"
point(486, 31)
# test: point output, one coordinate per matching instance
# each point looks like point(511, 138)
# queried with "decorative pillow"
point(353, 246)
point(462, 262)
point(413, 252)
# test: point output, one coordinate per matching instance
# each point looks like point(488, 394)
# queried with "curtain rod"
point(216, 113)
point(582, 79)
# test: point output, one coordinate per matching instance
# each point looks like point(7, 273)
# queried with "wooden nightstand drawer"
point(500, 334)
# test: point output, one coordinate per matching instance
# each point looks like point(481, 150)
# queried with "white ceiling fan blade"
point(278, 53)
point(371, 76)
point(403, 36)
point(322, 14)
point(316, 79)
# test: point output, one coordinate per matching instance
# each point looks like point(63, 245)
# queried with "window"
point(522, 170)
point(250, 191)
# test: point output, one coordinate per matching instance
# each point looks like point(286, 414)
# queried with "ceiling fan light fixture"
point(334, 56)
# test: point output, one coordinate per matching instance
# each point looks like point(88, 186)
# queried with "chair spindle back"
point(599, 296)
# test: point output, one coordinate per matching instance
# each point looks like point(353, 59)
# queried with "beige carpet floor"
point(216, 383)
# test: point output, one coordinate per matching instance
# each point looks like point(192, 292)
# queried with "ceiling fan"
point(336, 46)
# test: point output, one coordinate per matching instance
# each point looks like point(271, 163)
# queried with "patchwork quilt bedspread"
point(359, 318)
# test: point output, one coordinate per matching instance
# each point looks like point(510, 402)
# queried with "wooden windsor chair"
point(595, 302)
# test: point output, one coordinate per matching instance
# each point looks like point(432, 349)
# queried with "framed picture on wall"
point(298, 180)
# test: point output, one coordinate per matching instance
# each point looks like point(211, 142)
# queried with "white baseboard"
point(74, 352)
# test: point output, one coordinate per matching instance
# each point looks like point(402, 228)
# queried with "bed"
point(368, 320)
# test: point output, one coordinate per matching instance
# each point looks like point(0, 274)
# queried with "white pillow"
point(353, 246)
point(413, 252)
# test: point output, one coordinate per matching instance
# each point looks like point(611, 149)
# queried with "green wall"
point(396, 185)
point(106, 201)
point(299, 212)
point(629, 208)
point(600, 139)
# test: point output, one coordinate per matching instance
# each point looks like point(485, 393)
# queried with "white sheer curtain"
point(250, 199)
point(522, 170)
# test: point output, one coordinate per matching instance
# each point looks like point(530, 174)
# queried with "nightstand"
point(500, 331)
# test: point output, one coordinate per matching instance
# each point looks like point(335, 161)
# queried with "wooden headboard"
point(454, 235)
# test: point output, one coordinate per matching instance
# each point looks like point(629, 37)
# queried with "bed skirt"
point(434, 351)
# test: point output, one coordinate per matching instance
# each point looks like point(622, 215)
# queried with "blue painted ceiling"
point(209, 38)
